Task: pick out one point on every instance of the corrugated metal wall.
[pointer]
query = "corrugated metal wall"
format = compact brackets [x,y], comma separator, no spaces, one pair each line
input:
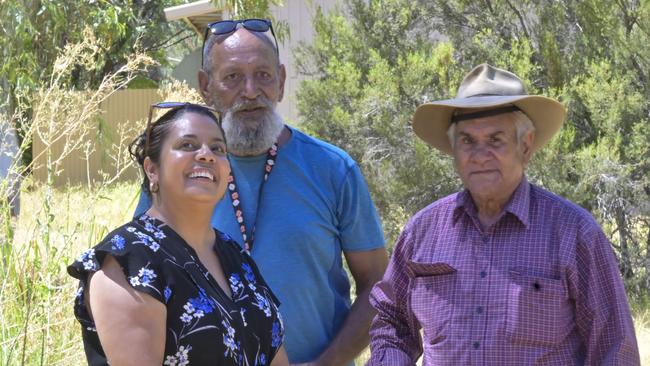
[124,107]
[299,16]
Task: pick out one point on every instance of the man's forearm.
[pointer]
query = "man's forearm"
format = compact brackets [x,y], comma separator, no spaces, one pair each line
[353,336]
[366,267]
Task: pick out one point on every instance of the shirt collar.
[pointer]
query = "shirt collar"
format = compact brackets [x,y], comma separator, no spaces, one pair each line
[518,205]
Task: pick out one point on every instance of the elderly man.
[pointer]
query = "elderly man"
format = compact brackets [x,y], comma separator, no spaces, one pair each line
[504,272]
[295,203]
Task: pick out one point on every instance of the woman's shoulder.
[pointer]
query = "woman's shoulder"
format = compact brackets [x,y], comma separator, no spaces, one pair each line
[135,241]
[143,232]
[136,246]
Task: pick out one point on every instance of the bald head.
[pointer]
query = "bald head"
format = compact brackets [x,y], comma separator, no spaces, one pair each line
[241,66]
[241,38]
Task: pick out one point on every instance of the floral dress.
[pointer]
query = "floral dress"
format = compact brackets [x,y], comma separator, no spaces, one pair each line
[204,325]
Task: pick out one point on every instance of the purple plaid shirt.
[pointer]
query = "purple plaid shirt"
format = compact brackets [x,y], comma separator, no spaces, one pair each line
[539,287]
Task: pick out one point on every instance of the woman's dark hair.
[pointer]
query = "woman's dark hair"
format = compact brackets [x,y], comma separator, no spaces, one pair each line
[158,134]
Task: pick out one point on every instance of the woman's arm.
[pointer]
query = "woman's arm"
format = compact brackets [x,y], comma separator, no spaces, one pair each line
[130,323]
[280,358]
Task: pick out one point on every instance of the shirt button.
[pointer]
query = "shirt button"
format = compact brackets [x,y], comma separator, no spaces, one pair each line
[476,345]
[483,274]
[479,310]
[485,239]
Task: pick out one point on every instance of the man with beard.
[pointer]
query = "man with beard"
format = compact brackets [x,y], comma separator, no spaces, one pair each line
[295,203]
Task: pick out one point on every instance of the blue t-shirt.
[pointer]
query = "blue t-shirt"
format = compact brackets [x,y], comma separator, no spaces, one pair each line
[314,205]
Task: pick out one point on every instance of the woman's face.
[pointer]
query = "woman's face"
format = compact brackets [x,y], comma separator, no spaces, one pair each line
[193,163]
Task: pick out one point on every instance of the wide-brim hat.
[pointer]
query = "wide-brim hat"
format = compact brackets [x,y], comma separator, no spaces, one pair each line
[486,87]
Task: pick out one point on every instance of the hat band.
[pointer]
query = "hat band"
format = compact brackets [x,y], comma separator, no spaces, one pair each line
[487,113]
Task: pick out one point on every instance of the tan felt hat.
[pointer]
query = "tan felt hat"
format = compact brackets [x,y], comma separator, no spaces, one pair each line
[485,87]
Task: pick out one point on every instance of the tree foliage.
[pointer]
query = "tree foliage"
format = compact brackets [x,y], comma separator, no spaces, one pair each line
[242,9]
[35,32]
[373,62]
[248,8]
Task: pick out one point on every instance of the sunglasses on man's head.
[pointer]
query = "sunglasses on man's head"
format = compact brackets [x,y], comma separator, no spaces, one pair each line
[229,26]
[167,105]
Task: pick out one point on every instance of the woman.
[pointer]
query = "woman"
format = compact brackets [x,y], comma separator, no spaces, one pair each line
[166,288]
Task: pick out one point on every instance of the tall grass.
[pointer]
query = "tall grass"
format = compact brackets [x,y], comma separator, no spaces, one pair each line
[37,325]
[641,313]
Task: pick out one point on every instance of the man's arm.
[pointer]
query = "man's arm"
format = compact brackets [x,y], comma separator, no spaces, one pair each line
[395,333]
[360,233]
[367,267]
[602,312]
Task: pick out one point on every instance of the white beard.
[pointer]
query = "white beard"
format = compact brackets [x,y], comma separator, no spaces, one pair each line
[246,137]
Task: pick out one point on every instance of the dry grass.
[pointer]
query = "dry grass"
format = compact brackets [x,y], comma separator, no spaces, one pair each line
[37,324]
[642,326]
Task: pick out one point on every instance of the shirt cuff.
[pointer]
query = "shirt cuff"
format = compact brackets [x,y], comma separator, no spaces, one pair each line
[392,357]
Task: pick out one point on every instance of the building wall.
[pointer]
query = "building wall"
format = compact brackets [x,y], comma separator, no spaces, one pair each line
[130,106]
[299,14]
[9,162]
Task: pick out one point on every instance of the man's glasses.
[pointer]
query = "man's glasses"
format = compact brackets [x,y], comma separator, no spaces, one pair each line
[229,26]
[167,105]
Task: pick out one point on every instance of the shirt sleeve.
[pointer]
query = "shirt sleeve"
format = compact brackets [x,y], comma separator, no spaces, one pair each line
[395,333]
[136,256]
[603,314]
[359,225]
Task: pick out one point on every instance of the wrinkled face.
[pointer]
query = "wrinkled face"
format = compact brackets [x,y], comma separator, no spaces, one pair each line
[193,163]
[245,82]
[488,157]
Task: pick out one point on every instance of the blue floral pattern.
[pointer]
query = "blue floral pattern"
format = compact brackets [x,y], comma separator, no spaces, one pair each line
[117,242]
[276,333]
[87,259]
[167,293]
[159,263]
[144,278]
[181,357]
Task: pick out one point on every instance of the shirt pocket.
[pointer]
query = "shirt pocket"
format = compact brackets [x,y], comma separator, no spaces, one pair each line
[538,311]
[432,298]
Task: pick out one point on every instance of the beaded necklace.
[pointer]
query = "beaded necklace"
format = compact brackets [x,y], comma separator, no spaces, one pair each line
[271,155]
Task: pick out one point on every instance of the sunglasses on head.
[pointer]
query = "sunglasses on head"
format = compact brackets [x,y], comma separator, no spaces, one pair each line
[172,106]
[229,26]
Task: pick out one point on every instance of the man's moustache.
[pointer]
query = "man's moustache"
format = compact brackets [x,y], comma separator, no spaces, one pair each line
[250,105]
